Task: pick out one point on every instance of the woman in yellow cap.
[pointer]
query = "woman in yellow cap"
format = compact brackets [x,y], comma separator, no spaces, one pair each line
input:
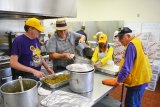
[103,52]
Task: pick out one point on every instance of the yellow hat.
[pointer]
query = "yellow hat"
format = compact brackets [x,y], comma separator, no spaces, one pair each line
[102,38]
[96,35]
[34,22]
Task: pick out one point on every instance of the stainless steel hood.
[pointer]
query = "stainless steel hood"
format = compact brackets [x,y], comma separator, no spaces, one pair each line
[42,9]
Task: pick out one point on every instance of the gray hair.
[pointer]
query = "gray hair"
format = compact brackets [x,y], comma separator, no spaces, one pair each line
[132,34]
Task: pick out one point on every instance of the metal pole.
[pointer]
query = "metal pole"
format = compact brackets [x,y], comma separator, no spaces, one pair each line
[122,94]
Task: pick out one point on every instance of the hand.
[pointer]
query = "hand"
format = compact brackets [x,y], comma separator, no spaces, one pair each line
[98,64]
[50,71]
[110,62]
[67,55]
[72,56]
[39,74]
[82,39]
[110,81]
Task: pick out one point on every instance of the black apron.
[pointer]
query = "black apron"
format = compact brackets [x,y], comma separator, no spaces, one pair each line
[17,73]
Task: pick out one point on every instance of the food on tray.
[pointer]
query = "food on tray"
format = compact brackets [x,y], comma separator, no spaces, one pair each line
[56,79]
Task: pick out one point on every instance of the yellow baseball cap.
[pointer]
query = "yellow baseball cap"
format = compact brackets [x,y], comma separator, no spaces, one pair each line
[102,38]
[34,22]
[96,35]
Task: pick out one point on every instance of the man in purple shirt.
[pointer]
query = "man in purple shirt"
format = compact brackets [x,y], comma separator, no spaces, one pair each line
[134,71]
[26,59]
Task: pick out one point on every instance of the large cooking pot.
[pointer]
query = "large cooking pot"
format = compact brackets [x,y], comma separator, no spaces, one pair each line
[81,77]
[14,97]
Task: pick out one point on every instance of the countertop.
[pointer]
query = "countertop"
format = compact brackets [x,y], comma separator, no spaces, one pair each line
[99,90]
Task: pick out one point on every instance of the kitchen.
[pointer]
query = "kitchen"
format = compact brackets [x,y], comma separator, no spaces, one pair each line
[90,21]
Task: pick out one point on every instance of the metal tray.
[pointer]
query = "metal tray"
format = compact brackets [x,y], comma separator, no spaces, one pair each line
[109,69]
[57,84]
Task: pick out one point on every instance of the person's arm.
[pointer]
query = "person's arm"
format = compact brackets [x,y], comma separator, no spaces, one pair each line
[108,56]
[50,71]
[41,42]
[55,55]
[130,57]
[95,55]
[16,65]
[77,35]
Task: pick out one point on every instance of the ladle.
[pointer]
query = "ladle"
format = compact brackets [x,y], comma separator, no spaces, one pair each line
[21,84]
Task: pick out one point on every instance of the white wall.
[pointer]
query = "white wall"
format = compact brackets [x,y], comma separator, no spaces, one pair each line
[132,12]
[127,10]
[108,10]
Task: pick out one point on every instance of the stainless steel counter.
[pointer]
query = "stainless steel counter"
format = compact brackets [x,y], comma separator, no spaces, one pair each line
[99,90]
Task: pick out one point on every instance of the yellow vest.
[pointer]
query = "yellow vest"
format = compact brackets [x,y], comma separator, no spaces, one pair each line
[141,70]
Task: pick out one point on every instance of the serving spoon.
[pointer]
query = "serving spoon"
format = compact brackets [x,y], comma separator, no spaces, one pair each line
[21,83]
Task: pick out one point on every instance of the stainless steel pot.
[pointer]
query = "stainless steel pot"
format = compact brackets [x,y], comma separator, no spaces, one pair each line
[81,77]
[13,97]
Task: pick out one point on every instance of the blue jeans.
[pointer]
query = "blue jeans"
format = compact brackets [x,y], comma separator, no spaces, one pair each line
[134,97]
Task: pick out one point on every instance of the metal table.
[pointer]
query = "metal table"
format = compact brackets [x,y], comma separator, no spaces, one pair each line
[99,90]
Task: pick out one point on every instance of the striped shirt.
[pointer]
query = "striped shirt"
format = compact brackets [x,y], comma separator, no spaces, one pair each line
[57,45]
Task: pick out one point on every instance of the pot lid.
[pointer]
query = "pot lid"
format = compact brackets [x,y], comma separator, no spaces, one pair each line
[80,67]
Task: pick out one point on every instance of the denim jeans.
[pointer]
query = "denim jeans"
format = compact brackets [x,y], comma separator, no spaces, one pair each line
[134,97]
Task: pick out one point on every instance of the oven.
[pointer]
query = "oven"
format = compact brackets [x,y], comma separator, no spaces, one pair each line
[6,43]
[5,75]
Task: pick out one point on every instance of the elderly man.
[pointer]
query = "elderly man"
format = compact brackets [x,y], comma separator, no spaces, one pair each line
[135,71]
[61,46]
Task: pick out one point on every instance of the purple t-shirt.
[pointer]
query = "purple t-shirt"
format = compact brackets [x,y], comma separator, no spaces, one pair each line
[28,51]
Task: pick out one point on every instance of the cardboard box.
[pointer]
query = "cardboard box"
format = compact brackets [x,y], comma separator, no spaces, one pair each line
[152,85]
[118,50]
[154,77]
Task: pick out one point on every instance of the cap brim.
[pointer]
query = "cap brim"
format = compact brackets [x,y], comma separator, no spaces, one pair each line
[94,36]
[102,41]
[40,28]
[119,35]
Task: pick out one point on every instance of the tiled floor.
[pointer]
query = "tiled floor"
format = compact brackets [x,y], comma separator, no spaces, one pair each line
[150,98]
